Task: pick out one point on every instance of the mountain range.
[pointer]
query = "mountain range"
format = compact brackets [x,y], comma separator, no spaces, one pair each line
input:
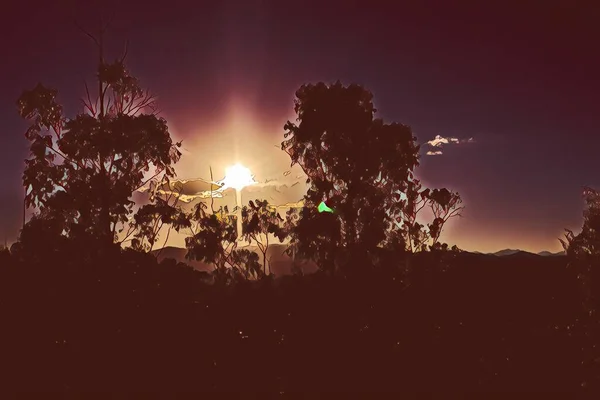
[511,252]
[282,264]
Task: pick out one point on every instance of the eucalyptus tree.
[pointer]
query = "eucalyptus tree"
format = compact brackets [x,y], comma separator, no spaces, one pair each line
[83,170]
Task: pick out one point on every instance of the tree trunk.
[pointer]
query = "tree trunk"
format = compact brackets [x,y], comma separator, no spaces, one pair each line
[105,231]
[238,202]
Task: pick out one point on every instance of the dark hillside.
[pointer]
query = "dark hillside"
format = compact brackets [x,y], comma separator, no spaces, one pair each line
[468,322]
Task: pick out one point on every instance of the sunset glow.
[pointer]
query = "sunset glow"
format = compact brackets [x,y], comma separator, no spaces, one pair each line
[238,177]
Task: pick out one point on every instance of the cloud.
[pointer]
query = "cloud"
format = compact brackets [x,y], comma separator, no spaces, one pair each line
[281,193]
[439,141]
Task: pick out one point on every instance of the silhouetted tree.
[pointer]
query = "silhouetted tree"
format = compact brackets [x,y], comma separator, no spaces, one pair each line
[315,236]
[583,251]
[150,218]
[214,240]
[353,162]
[587,242]
[259,221]
[83,170]
[361,167]
[405,213]
[444,204]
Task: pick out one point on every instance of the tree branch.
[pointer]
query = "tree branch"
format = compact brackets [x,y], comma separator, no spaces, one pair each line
[147,180]
[87,33]
[155,231]
[130,231]
[109,21]
[103,95]
[63,156]
[126,51]
[423,204]
[145,100]
[91,107]
[165,243]
[111,164]
[212,200]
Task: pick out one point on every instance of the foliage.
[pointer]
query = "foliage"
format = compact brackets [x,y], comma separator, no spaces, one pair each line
[42,234]
[214,240]
[361,167]
[444,204]
[352,161]
[314,236]
[83,170]
[583,251]
[150,218]
[259,221]
[587,242]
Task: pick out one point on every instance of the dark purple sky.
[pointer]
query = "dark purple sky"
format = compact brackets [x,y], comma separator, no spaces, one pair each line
[521,78]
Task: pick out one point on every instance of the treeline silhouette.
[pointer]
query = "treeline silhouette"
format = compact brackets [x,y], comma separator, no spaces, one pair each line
[86,305]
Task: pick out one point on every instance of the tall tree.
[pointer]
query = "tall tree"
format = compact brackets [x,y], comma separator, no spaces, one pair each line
[83,170]
[361,167]
[583,251]
[586,244]
[354,162]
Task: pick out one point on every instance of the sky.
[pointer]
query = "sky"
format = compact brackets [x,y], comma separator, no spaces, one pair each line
[506,93]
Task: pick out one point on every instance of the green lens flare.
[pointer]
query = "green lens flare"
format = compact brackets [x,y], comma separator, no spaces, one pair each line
[323,208]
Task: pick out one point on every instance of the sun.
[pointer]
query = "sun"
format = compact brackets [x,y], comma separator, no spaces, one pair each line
[238,177]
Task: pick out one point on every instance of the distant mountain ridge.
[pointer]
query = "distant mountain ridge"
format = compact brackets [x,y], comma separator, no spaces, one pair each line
[549,254]
[281,264]
[513,252]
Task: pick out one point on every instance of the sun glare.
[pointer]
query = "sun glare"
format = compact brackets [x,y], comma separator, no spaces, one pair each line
[237,176]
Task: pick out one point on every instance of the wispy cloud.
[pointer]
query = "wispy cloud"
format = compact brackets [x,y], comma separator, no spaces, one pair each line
[439,141]
[190,190]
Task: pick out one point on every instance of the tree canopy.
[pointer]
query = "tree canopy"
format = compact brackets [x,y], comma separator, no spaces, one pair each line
[587,242]
[361,167]
[83,170]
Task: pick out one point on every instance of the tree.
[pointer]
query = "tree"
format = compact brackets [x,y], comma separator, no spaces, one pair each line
[444,204]
[587,243]
[404,213]
[583,251]
[353,162]
[414,236]
[83,170]
[359,166]
[150,218]
[258,222]
[214,240]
